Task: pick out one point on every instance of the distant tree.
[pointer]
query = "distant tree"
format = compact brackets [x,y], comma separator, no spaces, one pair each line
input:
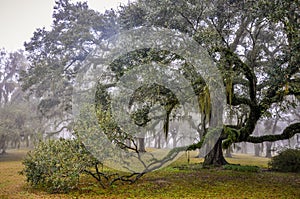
[11,64]
[270,128]
[15,110]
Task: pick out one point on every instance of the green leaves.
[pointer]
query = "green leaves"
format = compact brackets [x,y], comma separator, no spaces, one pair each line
[56,165]
[287,160]
[56,55]
[232,136]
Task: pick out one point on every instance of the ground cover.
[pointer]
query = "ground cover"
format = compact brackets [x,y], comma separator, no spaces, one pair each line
[179,180]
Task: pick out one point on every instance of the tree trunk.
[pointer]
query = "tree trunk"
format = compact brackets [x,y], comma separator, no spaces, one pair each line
[174,139]
[27,140]
[159,141]
[141,145]
[228,152]
[215,156]
[244,147]
[268,149]
[2,144]
[256,149]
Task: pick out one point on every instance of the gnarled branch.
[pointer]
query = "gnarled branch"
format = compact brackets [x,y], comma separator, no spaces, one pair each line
[288,132]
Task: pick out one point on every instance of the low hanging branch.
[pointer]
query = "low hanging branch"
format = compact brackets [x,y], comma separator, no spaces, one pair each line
[288,132]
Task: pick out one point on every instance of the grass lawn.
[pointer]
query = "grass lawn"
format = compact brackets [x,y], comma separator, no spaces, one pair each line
[179,180]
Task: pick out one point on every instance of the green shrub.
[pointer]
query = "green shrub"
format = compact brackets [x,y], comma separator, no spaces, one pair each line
[245,168]
[57,164]
[286,161]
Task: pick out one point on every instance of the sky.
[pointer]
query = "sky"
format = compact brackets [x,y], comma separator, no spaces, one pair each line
[20,18]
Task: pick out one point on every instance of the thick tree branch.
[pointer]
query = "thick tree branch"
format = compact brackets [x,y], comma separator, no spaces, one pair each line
[237,100]
[240,66]
[240,33]
[288,132]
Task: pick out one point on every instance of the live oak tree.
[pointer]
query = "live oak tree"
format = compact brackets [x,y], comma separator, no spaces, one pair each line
[255,46]
[56,55]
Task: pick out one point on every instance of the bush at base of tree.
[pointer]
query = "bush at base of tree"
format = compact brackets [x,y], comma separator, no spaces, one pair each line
[56,165]
[286,161]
